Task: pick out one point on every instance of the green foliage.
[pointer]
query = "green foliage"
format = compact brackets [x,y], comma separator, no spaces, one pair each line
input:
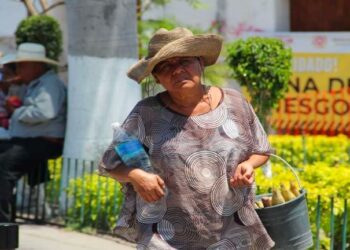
[299,150]
[41,29]
[216,75]
[327,173]
[196,4]
[263,66]
[95,202]
[53,186]
[160,2]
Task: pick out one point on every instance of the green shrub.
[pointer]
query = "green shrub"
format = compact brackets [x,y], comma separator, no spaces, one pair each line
[95,202]
[53,186]
[41,29]
[263,66]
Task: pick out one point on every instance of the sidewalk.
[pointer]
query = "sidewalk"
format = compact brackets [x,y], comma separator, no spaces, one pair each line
[43,237]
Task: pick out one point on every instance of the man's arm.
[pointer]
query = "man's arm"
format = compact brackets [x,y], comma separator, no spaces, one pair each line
[43,106]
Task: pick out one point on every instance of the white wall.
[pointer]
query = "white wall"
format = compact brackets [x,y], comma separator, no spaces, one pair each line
[239,16]
[184,14]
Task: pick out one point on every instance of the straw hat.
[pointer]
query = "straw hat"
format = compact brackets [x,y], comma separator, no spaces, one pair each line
[174,43]
[28,52]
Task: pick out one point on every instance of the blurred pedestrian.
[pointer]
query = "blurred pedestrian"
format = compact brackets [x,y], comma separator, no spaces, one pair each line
[37,127]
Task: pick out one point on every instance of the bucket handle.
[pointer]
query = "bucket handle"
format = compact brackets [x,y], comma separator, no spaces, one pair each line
[290,167]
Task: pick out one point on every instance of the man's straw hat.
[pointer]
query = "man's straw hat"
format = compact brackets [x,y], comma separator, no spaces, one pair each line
[178,42]
[28,52]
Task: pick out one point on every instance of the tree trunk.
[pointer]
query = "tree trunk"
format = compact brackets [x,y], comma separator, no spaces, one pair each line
[102,46]
[30,7]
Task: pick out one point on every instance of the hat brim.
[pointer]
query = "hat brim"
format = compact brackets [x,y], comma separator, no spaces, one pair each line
[12,58]
[7,59]
[208,47]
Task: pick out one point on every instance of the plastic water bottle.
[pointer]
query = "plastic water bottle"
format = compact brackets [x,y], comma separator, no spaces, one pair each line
[132,153]
[130,150]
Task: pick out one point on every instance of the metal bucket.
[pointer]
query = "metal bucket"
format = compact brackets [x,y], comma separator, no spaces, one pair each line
[288,223]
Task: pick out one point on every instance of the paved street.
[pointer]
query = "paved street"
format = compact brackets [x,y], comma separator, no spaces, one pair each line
[39,237]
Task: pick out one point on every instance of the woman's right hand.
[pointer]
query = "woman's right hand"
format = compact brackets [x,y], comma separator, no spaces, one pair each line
[149,186]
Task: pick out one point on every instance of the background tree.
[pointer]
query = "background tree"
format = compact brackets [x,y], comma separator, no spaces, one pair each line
[41,29]
[42,8]
[263,66]
[102,46]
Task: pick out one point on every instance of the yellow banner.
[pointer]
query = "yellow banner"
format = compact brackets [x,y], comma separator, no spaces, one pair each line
[318,99]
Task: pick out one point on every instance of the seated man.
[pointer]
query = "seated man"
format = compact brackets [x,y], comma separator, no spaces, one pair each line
[37,127]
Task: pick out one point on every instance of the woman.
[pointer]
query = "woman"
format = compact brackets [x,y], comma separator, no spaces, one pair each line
[204,143]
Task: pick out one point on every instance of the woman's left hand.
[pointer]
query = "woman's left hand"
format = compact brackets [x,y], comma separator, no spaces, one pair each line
[243,176]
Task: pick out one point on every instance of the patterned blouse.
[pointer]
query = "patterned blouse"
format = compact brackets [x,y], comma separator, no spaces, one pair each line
[195,156]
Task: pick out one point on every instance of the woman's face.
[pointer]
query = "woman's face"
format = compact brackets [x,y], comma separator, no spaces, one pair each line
[178,73]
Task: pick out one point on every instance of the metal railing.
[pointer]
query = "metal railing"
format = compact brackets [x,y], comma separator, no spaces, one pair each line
[77,197]
[337,240]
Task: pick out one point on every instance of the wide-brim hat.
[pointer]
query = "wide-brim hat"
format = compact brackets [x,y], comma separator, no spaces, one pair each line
[8,58]
[178,42]
[28,52]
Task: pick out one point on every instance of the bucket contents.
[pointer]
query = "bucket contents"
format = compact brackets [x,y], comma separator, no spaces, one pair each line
[279,196]
[284,214]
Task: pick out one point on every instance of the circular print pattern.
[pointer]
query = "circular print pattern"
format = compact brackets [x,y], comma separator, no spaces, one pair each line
[247,215]
[214,119]
[177,227]
[196,136]
[223,244]
[161,132]
[150,212]
[202,169]
[162,135]
[225,200]
[166,230]
[262,242]
[230,128]
[244,130]
[134,123]
[240,236]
